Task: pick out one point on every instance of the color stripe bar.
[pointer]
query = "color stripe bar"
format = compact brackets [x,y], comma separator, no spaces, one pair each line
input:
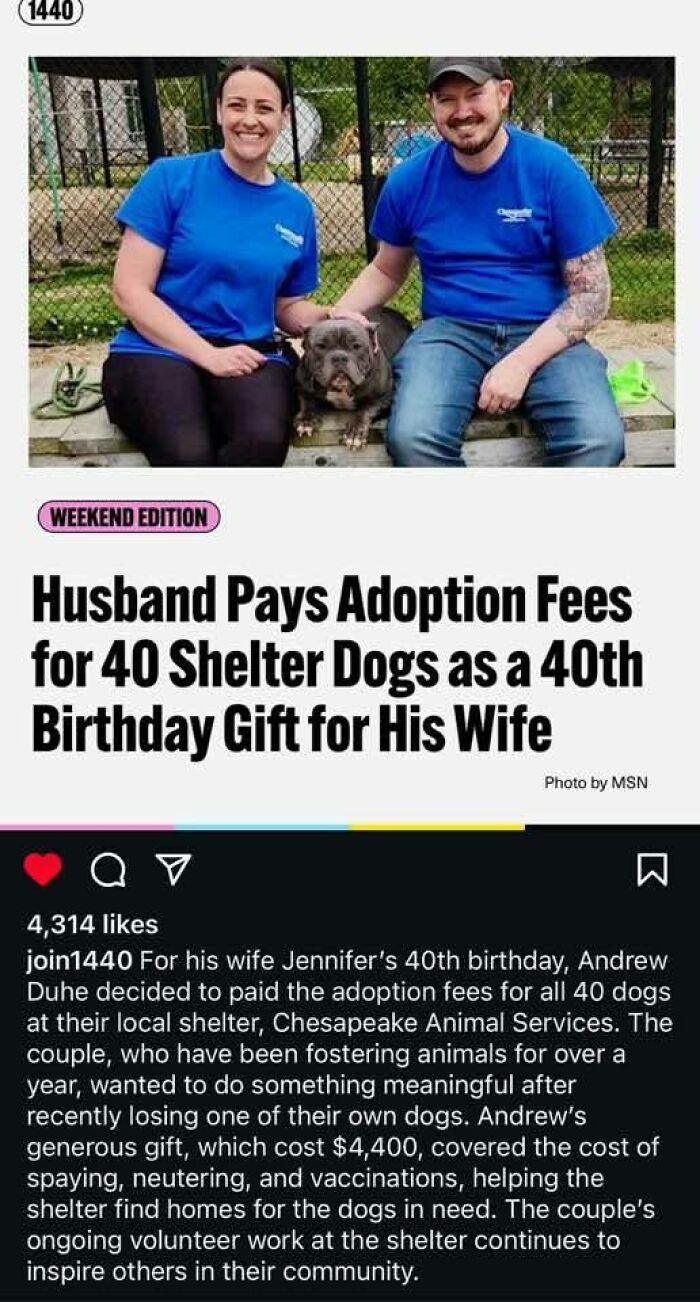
[437,827]
[87,827]
[262,827]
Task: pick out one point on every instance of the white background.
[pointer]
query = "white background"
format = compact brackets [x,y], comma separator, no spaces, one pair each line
[637,527]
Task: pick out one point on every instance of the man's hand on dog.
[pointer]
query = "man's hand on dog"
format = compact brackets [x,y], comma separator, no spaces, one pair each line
[504,386]
[344,314]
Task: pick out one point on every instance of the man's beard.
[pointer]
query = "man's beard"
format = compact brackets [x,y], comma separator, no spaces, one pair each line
[469,149]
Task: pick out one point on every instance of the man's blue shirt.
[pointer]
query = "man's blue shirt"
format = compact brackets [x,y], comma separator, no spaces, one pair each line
[491,244]
[231,247]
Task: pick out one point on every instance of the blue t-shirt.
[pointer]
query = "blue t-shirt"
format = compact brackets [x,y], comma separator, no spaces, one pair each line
[491,244]
[231,247]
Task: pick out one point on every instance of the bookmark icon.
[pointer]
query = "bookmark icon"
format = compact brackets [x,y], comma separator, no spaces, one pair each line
[652,866]
[174,865]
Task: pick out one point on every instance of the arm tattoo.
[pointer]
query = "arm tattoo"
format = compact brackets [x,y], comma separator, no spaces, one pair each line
[588,285]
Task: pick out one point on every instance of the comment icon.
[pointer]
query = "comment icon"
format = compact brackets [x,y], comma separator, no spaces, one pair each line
[108,869]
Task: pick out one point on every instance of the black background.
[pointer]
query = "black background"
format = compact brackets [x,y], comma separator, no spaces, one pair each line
[549,888]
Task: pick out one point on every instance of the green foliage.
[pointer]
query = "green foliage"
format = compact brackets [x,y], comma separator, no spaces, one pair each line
[72,304]
[565,103]
[642,272]
[661,243]
[558,97]
[122,176]
[397,89]
[338,269]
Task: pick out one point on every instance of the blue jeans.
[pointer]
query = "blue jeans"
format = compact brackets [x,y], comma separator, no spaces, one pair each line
[438,374]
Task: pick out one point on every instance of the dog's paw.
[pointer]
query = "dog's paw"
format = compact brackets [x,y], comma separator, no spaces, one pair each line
[355,437]
[304,429]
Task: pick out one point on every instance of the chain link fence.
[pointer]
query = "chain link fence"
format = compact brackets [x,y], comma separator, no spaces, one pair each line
[95,123]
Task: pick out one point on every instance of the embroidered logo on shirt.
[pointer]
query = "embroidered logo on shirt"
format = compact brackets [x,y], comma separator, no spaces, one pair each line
[290,236]
[514,214]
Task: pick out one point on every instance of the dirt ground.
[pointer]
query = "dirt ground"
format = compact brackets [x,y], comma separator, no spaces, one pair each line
[611,334]
[634,334]
[90,231]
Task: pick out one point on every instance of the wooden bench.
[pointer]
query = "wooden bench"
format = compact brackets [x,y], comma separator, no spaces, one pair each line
[91,440]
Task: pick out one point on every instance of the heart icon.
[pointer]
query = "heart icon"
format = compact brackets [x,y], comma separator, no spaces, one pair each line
[42,868]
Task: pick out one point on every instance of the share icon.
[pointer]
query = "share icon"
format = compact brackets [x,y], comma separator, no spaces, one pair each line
[174,865]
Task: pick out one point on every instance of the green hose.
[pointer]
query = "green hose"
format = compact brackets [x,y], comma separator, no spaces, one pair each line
[70,395]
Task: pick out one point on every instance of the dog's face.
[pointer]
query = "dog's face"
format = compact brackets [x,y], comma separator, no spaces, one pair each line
[340,355]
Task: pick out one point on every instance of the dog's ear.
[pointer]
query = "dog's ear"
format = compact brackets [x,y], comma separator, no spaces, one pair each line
[305,336]
[373,332]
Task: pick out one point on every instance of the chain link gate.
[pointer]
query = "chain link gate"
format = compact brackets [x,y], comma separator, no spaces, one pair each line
[95,123]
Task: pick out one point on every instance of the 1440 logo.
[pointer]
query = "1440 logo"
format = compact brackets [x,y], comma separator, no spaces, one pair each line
[57,13]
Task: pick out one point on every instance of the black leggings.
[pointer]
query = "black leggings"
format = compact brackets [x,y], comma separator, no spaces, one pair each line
[181,415]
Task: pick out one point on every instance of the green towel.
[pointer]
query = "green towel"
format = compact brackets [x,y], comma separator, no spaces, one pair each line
[631,384]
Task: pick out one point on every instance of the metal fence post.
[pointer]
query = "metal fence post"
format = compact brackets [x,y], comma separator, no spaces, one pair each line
[289,74]
[656,143]
[102,131]
[57,133]
[365,140]
[211,78]
[150,111]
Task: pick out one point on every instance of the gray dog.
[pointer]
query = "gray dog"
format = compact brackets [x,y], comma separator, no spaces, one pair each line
[347,366]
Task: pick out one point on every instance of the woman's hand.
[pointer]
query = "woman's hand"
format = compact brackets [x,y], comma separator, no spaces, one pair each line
[235,360]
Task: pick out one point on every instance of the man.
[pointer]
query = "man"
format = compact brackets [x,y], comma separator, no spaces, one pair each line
[509,234]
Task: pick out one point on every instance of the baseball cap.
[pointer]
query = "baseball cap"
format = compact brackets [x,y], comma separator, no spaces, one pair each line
[478,70]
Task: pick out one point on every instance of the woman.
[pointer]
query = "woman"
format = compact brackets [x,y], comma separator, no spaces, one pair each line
[217,251]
